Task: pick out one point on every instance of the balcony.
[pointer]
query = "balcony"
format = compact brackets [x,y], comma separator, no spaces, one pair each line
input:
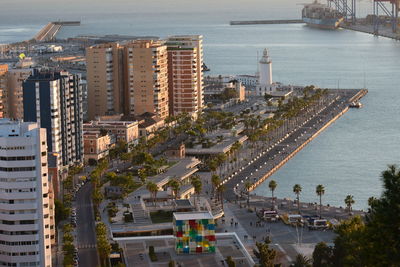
[16,238]
[19,206]
[19,227]
[18,217]
[18,195]
[27,258]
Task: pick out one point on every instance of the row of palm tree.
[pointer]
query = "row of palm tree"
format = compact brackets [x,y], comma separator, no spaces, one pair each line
[319,190]
[288,116]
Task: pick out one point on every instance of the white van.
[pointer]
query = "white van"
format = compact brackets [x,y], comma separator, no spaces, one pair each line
[318,224]
[295,218]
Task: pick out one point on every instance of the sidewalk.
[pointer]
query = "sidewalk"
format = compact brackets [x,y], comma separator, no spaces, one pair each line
[238,229]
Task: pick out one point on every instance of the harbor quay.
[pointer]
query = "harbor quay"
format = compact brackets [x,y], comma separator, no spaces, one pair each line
[267,160]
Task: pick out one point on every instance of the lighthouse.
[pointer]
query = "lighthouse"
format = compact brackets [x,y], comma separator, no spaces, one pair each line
[265,85]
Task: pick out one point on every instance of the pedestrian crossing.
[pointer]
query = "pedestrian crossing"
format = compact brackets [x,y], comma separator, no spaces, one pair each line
[83,246]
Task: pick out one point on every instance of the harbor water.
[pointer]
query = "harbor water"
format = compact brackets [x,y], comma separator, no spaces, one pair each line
[349,156]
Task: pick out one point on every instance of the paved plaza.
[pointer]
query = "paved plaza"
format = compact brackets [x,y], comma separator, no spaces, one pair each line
[288,241]
[136,252]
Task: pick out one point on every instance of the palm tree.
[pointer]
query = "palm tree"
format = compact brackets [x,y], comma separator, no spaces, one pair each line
[248,185]
[297,190]
[349,201]
[220,159]
[220,191]
[175,186]
[142,174]
[320,190]
[153,189]
[215,181]
[272,186]
[197,185]
[301,261]
[212,165]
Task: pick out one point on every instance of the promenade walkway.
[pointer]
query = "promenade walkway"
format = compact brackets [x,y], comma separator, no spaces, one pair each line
[266,161]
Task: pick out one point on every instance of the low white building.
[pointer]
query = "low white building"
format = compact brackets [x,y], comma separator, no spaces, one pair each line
[247,80]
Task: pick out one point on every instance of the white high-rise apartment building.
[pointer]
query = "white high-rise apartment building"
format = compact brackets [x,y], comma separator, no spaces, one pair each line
[25,226]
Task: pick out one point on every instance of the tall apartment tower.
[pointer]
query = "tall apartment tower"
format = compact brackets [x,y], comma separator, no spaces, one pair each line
[15,78]
[146,78]
[104,80]
[54,100]
[24,194]
[3,91]
[185,74]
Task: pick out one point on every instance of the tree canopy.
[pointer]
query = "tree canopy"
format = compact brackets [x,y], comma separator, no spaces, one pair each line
[374,241]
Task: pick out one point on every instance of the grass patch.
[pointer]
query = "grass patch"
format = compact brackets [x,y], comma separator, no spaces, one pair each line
[161,216]
[171,163]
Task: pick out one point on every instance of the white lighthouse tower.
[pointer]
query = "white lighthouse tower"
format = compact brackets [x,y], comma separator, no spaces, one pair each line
[265,85]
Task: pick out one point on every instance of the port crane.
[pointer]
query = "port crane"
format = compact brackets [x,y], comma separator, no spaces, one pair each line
[346,7]
[392,12]
[381,8]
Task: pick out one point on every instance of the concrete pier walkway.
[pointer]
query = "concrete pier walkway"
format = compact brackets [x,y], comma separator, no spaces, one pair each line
[268,161]
[254,22]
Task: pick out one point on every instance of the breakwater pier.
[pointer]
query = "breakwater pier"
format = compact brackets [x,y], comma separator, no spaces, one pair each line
[267,162]
[50,30]
[255,22]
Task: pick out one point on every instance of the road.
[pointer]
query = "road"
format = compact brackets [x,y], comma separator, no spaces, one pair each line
[264,161]
[85,230]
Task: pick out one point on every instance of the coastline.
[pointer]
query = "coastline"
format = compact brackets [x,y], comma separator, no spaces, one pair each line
[336,108]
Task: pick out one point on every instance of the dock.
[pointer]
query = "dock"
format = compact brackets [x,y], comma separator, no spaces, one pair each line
[384,31]
[272,159]
[49,32]
[255,22]
[359,26]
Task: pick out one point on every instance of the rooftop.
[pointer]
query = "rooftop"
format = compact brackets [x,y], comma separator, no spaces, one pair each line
[221,147]
[115,124]
[182,169]
[192,215]
[12,128]
[182,202]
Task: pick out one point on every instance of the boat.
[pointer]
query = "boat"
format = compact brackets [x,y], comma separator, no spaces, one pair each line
[205,68]
[355,105]
[321,16]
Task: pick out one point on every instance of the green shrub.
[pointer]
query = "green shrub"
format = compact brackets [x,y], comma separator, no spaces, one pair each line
[230,261]
[128,217]
[151,250]
[152,254]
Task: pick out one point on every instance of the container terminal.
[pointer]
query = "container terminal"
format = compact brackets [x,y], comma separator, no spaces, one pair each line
[384,20]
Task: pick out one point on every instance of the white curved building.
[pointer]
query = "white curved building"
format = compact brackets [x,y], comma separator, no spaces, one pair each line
[25,226]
